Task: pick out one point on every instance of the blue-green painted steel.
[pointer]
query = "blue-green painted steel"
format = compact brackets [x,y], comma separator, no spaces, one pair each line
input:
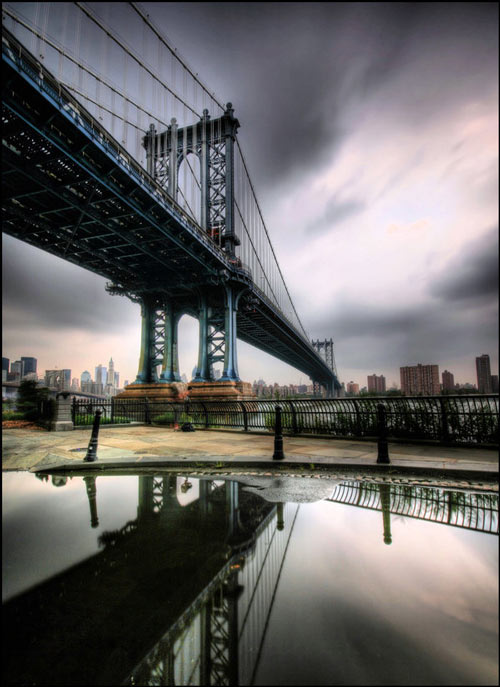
[178,257]
[203,370]
[147,372]
[170,370]
[230,372]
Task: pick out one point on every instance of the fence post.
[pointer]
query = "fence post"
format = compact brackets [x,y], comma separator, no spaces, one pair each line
[295,428]
[383,452]
[206,413]
[445,432]
[73,410]
[147,418]
[358,418]
[112,419]
[92,449]
[278,437]
[245,417]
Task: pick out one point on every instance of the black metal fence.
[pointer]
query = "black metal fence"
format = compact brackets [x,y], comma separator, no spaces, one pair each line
[471,419]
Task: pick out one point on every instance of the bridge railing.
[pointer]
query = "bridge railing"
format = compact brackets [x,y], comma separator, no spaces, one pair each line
[459,420]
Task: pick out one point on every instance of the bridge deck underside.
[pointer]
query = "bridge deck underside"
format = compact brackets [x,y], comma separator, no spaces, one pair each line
[67,193]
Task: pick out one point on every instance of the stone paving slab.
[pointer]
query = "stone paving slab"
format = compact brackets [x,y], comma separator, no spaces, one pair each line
[23,449]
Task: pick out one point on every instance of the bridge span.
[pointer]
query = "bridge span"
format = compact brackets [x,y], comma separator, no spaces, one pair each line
[72,189]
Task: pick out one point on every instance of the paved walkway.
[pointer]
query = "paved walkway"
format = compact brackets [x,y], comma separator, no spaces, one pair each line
[142,446]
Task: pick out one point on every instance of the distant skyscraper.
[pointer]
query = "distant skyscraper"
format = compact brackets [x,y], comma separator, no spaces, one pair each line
[75,385]
[494,384]
[420,380]
[85,377]
[352,388]
[100,375]
[376,383]
[483,374]
[117,380]
[111,372]
[16,369]
[5,369]
[448,381]
[125,383]
[29,365]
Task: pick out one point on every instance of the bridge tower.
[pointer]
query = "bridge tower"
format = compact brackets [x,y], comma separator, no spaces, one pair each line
[325,350]
[211,141]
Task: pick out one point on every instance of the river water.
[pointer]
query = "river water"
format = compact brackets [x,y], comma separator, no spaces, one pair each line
[176,579]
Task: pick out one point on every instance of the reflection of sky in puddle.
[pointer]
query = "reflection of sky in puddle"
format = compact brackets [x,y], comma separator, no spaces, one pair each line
[46,540]
[432,594]
[348,608]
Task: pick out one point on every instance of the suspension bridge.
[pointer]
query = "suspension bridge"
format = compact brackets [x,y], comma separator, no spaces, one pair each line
[117,158]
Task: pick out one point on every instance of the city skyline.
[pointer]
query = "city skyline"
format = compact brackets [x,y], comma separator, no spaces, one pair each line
[375,378]
[396,260]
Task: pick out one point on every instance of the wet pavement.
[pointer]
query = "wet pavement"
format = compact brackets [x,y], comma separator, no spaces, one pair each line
[145,447]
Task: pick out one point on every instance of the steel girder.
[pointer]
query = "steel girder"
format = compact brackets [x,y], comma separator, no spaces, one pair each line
[71,190]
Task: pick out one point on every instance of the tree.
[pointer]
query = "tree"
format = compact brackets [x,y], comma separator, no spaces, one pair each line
[29,398]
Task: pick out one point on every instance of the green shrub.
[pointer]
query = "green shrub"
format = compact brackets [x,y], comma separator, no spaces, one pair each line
[12,415]
[172,416]
[89,420]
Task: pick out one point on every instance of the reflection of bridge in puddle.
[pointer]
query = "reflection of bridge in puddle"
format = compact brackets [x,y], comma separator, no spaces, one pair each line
[180,595]
[468,510]
[183,593]
[219,636]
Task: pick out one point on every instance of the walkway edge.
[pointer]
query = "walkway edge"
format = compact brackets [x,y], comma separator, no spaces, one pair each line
[221,466]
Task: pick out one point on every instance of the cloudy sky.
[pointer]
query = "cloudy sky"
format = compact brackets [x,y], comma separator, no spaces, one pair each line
[371,136]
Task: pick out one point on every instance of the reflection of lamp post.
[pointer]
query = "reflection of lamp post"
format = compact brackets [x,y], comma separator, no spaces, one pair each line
[279,512]
[385,501]
[91,494]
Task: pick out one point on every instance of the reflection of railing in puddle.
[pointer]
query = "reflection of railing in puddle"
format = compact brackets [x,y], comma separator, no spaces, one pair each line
[185,591]
[468,510]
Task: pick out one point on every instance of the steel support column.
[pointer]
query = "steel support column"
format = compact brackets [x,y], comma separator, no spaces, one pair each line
[230,372]
[172,162]
[229,235]
[170,367]
[147,371]
[204,173]
[203,371]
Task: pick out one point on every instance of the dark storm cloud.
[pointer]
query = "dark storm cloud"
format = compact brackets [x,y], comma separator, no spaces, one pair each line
[294,71]
[369,336]
[473,274]
[47,293]
[336,211]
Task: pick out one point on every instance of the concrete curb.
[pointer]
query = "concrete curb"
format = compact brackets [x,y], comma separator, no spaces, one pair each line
[220,466]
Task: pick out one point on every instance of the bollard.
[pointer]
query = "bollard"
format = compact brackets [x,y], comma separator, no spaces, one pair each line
[278,437]
[92,449]
[383,450]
